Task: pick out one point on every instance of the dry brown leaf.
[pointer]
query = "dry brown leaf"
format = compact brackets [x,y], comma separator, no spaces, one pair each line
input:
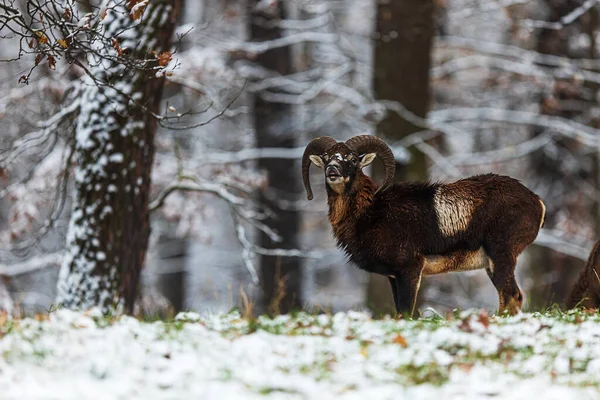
[466,366]
[401,340]
[51,62]
[137,8]
[164,58]
[41,317]
[42,38]
[63,43]
[484,318]
[118,48]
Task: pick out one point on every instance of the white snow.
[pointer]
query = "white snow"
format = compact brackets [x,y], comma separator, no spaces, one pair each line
[116,158]
[345,356]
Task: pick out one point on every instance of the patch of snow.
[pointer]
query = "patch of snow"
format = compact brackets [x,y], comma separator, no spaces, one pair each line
[116,158]
[343,356]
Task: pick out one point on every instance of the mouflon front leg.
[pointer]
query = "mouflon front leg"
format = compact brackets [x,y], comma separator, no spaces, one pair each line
[392,280]
[407,281]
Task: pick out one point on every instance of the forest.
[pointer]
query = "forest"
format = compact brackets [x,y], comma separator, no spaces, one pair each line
[153,169]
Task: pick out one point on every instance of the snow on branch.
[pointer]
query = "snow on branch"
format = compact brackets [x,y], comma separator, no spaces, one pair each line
[565,127]
[218,189]
[21,93]
[37,138]
[241,212]
[520,67]
[295,38]
[518,53]
[460,13]
[438,159]
[224,157]
[32,264]
[249,249]
[501,155]
[565,20]
[552,239]
[317,22]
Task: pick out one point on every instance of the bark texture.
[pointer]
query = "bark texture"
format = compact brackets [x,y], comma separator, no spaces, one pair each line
[109,226]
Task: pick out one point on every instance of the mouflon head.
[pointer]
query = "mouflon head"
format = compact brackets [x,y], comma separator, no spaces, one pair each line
[342,160]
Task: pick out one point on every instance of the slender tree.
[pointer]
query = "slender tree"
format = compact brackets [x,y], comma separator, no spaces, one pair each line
[281,278]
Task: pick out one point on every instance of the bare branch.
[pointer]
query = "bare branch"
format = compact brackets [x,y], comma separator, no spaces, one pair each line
[518,53]
[564,127]
[33,264]
[551,239]
[565,20]
[249,249]
[296,38]
[218,189]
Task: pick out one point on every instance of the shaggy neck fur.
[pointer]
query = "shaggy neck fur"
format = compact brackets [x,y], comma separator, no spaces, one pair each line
[347,207]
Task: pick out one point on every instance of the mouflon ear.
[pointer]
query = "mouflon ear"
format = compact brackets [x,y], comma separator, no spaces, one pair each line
[318,161]
[366,144]
[367,159]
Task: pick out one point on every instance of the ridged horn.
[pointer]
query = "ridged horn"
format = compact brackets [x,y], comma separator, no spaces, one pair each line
[316,147]
[364,144]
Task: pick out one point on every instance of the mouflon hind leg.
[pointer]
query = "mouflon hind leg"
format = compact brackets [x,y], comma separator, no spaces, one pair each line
[510,298]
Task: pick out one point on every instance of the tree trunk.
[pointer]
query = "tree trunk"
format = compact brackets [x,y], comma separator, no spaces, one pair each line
[280,277]
[404,37]
[552,272]
[109,227]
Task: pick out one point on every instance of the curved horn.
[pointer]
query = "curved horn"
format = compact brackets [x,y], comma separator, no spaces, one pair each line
[316,147]
[372,144]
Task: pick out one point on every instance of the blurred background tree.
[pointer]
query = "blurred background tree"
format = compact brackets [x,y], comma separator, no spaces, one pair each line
[457,87]
[403,39]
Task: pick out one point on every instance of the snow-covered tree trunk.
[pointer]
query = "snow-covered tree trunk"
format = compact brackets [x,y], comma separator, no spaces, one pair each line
[109,226]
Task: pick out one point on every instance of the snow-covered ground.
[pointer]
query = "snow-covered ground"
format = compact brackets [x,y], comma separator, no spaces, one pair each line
[345,356]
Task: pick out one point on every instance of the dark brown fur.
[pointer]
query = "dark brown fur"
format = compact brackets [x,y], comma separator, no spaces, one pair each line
[393,232]
[586,292]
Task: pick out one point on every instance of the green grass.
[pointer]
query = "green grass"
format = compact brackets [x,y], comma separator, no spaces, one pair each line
[368,337]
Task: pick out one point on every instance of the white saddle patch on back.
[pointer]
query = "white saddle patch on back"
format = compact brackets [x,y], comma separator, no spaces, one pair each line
[458,261]
[453,213]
